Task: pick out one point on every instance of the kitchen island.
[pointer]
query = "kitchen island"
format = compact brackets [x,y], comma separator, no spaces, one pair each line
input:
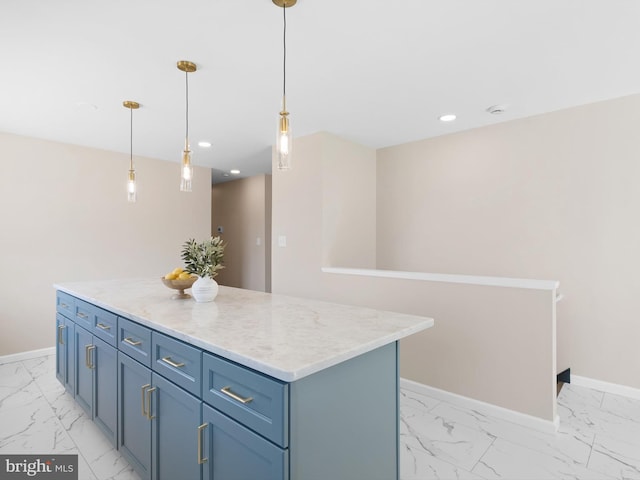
[251,386]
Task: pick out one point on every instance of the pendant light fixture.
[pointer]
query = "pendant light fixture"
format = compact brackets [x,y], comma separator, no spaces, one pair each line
[284,139]
[186,175]
[131,183]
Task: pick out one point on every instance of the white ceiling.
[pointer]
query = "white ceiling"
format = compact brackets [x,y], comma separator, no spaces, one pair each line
[375,72]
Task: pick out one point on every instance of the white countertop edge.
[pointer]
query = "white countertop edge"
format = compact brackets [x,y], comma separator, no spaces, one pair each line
[449,278]
[280,374]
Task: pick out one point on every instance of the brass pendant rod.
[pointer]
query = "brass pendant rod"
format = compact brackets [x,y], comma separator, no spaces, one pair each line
[131,140]
[284,49]
[186,82]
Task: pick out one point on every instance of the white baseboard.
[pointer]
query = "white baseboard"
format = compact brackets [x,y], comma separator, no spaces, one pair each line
[17,357]
[529,421]
[606,387]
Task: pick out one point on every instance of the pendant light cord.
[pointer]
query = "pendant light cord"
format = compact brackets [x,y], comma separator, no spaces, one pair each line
[284,42]
[131,140]
[186,81]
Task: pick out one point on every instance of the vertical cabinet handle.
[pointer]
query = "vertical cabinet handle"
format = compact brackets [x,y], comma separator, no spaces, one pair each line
[87,356]
[200,441]
[60,338]
[142,391]
[149,391]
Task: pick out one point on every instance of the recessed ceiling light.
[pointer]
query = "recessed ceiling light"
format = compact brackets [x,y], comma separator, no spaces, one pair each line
[234,171]
[449,117]
[204,144]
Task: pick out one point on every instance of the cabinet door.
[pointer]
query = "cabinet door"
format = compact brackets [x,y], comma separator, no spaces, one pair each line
[174,446]
[61,357]
[65,366]
[236,453]
[105,378]
[70,349]
[134,427]
[83,358]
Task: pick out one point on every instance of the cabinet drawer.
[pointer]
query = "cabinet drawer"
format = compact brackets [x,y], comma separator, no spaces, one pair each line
[105,325]
[253,399]
[135,341]
[177,361]
[65,304]
[82,314]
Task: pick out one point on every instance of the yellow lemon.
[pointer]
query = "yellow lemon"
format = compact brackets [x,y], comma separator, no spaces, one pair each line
[178,270]
[184,276]
[170,276]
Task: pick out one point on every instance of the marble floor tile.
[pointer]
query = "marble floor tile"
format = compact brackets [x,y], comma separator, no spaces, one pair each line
[33,428]
[623,407]
[17,387]
[599,435]
[573,447]
[102,456]
[43,372]
[448,440]
[506,460]
[580,417]
[614,465]
[417,400]
[418,464]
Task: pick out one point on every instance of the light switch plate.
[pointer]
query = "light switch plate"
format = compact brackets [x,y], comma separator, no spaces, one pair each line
[282,241]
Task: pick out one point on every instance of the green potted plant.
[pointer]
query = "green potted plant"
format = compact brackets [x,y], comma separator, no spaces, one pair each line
[204,259]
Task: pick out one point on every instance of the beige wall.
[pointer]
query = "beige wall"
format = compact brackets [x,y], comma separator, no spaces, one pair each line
[348,203]
[489,343]
[550,197]
[325,207]
[243,209]
[65,217]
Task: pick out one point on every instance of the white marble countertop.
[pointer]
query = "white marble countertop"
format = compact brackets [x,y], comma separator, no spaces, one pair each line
[285,337]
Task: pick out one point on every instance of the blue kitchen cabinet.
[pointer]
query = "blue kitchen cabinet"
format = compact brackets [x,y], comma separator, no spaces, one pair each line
[83,341]
[174,432]
[65,350]
[233,452]
[181,412]
[96,371]
[134,419]
[158,424]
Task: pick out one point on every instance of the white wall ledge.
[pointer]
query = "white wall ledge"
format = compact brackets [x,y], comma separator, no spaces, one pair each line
[449,278]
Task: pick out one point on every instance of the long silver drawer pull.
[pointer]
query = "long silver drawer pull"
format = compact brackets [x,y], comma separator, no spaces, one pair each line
[172,363]
[131,342]
[143,388]
[227,391]
[200,430]
[87,356]
[60,339]
[82,315]
[102,326]
[151,390]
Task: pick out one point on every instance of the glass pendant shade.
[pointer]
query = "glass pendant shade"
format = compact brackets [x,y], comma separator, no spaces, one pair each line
[131,186]
[186,175]
[284,142]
